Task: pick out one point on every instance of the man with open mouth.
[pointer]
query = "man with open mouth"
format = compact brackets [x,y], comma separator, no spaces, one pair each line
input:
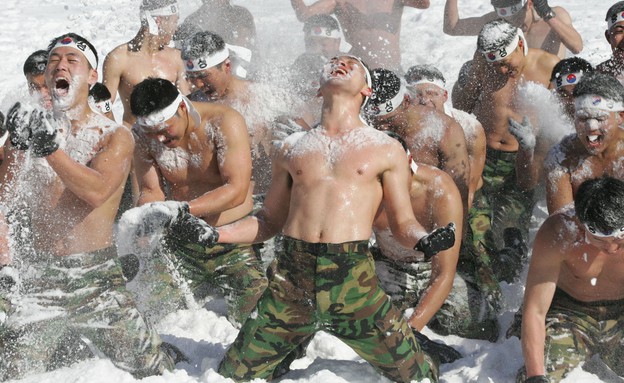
[597,147]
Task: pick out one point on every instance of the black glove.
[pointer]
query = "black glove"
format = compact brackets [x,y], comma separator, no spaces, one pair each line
[438,240]
[543,9]
[18,125]
[537,379]
[43,135]
[441,352]
[188,228]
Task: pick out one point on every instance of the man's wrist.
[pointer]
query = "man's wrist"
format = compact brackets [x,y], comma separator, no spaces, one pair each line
[549,15]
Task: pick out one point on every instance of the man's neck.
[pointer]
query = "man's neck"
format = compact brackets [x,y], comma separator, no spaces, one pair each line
[340,113]
[146,42]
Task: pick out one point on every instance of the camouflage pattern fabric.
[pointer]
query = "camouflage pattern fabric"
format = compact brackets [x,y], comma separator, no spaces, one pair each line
[467,312]
[576,331]
[236,271]
[329,287]
[498,207]
[68,308]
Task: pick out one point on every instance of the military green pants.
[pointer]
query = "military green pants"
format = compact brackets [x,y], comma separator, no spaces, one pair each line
[467,312]
[576,331]
[68,308]
[499,207]
[235,271]
[329,287]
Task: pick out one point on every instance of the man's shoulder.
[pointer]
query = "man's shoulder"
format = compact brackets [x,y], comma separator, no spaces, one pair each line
[565,150]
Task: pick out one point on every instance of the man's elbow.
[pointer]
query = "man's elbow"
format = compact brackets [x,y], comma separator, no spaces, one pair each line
[576,48]
[423,4]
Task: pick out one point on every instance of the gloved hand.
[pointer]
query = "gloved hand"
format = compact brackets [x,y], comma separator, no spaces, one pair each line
[191,229]
[43,134]
[523,132]
[441,352]
[537,379]
[543,9]
[438,240]
[283,128]
[18,125]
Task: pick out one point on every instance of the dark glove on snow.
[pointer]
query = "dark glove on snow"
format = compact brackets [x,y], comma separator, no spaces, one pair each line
[43,135]
[438,240]
[188,228]
[441,352]
[18,125]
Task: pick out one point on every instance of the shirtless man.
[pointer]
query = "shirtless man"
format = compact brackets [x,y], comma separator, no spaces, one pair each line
[574,297]
[432,137]
[73,167]
[615,36]
[327,186]
[373,28]
[146,55]
[565,75]
[210,71]
[201,151]
[597,147]
[502,208]
[321,34]
[428,87]
[546,28]
[100,100]
[446,302]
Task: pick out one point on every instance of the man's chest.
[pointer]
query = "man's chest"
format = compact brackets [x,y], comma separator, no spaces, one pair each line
[141,67]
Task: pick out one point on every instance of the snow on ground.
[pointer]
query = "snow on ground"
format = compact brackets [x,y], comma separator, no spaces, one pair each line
[28,25]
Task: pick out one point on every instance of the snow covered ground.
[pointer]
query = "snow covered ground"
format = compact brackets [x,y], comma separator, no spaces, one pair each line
[204,334]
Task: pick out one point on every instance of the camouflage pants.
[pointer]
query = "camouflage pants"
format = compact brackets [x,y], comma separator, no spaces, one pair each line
[235,271]
[75,306]
[329,287]
[499,209]
[467,311]
[576,331]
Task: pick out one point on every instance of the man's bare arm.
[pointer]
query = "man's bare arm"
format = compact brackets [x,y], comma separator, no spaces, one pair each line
[447,207]
[234,160]
[321,7]
[469,85]
[270,220]
[403,224]
[147,174]
[541,283]
[112,70]
[181,82]
[558,183]
[455,161]
[561,24]
[106,173]
[471,26]
[420,4]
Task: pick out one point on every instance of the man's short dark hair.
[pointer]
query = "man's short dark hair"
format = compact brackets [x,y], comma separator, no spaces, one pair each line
[600,84]
[201,44]
[570,65]
[504,3]
[151,95]
[599,202]
[75,37]
[426,72]
[322,21]
[35,64]
[614,10]
[306,69]
[149,5]
[386,85]
[99,92]
[495,35]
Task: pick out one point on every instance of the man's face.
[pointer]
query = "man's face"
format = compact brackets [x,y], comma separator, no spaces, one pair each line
[615,37]
[346,72]
[510,66]
[37,87]
[521,18]
[430,95]
[213,82]
[325,46]
[167,25]
[596,128]
[170,132]
[68,77]
[611,244]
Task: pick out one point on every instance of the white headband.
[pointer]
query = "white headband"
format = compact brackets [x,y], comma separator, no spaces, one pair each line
[432,81]
[500,54]
[160,116]
[148,16]
[389,106]
[511,10]
[324,32]
[104,106]
[615,18]
[617,233]
[79,45]
[592,101]
[570,79]
[216,58]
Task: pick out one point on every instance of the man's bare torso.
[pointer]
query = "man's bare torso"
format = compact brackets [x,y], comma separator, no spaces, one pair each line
[336,183]
[587,273]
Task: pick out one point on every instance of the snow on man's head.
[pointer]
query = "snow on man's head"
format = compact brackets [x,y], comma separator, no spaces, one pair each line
[495,36]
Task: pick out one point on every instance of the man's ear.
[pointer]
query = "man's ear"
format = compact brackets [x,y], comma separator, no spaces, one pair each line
[93,77]
[367,91]
[445,95]
[227,66]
